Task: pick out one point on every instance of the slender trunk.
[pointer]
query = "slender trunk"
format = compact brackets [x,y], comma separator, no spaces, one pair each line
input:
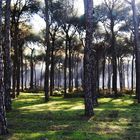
[18,70]
[26,70]
[41,75]
[7,63]
[3,122]
[88,59]
[59,76]
[21,62]
[128,75]
[137,49]
[65,66]
[52,70]
[132,74]
[103,74]
[31,70]
[109,76]
[114,59]
[35,79]
[97,71]
[77,74]
[47,59]
[120,66]
[15,60]
[70,66]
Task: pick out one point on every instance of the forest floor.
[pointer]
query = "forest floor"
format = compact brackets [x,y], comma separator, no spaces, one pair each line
[63,119]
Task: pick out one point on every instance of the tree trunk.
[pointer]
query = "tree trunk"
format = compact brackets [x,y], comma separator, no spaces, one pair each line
[21,63]
[97,71]
[109,76]
[47,59]
[41,74]
[3,123]
[132,73]
[59,76]
[77,73]
[18,71]
[114,58]
[137,50]
[52,70]
[128,74]
[70,66]
[7,63]
[103,74]
[65,66]
[31,70]
[26,70]
[88,56]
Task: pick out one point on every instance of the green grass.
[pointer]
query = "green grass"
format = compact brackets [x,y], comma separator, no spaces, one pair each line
[63,119]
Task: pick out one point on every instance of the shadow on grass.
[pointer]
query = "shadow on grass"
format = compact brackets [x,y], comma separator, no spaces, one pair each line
[32,119]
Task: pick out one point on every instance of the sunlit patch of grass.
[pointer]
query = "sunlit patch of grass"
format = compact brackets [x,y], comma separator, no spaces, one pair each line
[33,119]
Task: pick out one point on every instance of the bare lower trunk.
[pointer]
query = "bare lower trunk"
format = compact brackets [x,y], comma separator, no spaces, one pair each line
[3,123]
[137,49]
[65,67]
[88,59]
[47,58]
[132,74]
[7,63]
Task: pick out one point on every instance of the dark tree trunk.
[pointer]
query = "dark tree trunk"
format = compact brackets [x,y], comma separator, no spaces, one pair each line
[65,66]
[70,66]
[7,59]
[31,70]
[88,59]
[15,58]
[3,122]
[97,72]
[120,66]
[77,73]
[41,74]
[132,73]
[21,62]
[47,59]
[103,74]
[18,71]
[52,70]
[26,70]
[114,58]
[35,78]
[59,76]
[137,49]
[109,76]
[128,74]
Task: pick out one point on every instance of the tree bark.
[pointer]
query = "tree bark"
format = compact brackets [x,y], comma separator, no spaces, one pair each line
[31,69]
[65,66]
[70,66]
[137,49]
[52,69]
[114,58]
[88,56]
[3,122]
[47,59]
[7,60]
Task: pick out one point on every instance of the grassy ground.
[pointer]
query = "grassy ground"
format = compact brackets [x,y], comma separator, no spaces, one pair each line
[62,119]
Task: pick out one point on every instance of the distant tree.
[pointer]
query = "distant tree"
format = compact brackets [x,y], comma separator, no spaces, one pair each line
[21,12]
